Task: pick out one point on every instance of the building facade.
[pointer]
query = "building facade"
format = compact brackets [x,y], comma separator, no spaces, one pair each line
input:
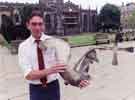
[61,18]
[127,11]
[68,18]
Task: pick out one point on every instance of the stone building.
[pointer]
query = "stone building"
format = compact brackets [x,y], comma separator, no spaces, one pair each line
[61,18]
[68,18]
[127,11]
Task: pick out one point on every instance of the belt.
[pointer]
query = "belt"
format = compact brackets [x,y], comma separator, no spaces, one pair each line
[40,85]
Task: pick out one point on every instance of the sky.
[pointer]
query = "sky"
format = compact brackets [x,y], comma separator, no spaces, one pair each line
[84,3]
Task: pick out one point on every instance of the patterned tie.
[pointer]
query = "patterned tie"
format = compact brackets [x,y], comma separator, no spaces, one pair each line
[41,62]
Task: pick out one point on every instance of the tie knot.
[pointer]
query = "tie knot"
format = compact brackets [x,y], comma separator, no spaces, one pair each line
[37,41]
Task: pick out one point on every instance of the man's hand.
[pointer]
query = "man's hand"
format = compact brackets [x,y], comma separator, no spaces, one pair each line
[84,83]
[56,69]
[38,74]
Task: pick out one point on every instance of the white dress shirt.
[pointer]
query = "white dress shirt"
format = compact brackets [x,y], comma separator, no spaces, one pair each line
[28,59]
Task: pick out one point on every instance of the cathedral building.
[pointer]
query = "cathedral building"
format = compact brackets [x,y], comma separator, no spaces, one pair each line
[60,18]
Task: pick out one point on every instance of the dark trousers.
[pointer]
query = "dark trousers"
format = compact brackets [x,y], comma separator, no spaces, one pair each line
[51,92]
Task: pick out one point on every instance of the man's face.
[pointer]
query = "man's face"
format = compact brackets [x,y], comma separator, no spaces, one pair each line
[36,26]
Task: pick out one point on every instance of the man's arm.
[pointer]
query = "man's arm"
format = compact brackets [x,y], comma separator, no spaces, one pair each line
[38,74]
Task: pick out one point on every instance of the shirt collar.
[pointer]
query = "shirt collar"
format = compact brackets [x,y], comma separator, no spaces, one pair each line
[42,38]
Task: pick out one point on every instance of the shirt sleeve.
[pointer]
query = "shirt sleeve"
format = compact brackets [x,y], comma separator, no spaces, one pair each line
[24,61]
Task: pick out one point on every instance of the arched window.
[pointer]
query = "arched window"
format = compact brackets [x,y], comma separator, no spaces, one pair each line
[17,20]
[48,22]
[55,21]
[48,19]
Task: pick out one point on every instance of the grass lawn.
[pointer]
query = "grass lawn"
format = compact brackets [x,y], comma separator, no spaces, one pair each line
[3,41]
[82,40]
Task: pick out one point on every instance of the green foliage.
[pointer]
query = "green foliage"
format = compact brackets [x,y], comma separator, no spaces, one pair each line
[25,12]
[7,27]
[109,17]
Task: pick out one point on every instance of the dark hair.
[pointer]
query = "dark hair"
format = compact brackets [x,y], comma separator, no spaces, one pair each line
[35,12]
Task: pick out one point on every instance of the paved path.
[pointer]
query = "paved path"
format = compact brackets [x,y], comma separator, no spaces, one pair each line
[108,82]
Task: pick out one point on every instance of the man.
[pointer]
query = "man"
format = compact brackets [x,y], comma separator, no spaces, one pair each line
[37,64]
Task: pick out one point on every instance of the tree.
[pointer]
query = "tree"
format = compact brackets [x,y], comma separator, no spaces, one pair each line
[109,17]
[25,12]
[7,27]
